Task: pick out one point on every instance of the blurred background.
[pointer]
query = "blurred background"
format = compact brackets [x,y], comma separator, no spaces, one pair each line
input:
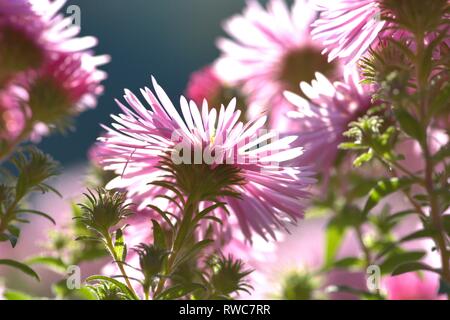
[167,39]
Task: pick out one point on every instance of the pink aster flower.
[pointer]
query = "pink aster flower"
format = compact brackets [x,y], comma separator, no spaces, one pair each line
[203,84]
[270,194]
[40,51]
[270,51]
[413,286]
[326,113]
[72,78]
[348,28]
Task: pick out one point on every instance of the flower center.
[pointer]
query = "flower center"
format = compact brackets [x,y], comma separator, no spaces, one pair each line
[17,53]
[301,65]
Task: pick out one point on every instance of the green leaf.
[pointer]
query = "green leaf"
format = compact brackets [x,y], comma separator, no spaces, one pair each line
[178,291]
[351,146]
[334,236]
[55,264]
[420,234]
[411,267]
[410,125]
[349,262]
[396,259]
[17,295]
[364,158]
[441,102]
[158,235]
[38,213]
[117,283]
[193,251]
[384,188]
[120,246]
[20,266]
[9,237]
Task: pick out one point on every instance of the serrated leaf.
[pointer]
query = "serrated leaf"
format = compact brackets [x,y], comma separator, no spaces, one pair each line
[20,266]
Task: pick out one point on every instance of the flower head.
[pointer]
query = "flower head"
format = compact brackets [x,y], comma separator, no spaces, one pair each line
[348,28]
[271,51]
[243,168]
[66,85]
[326,113]
[40,51]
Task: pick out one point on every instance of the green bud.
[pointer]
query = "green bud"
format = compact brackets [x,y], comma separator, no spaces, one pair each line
[298,286]
[151,262]
[228,275]
[104,210]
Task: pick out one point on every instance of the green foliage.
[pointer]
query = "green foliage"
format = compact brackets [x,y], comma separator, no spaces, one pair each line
[19,266]
[32,170]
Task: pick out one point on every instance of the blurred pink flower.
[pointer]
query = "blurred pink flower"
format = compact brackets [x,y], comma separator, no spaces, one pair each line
[325,114]
[301,252]
[40,50]
[203,84]
[270,195]
[347,28]
[15,7]
[271,51]
[413,286]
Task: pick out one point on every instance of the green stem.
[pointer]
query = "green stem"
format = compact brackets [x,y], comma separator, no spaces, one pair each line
[440,238]
[178,242]
[110,246]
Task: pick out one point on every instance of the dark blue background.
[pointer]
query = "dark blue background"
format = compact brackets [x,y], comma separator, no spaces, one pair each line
[165,38]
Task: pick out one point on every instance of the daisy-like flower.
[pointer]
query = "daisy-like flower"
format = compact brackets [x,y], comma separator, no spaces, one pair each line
[66,85]
[40,51]
[326,113]
[262,193]
[348,28]
[271,51]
